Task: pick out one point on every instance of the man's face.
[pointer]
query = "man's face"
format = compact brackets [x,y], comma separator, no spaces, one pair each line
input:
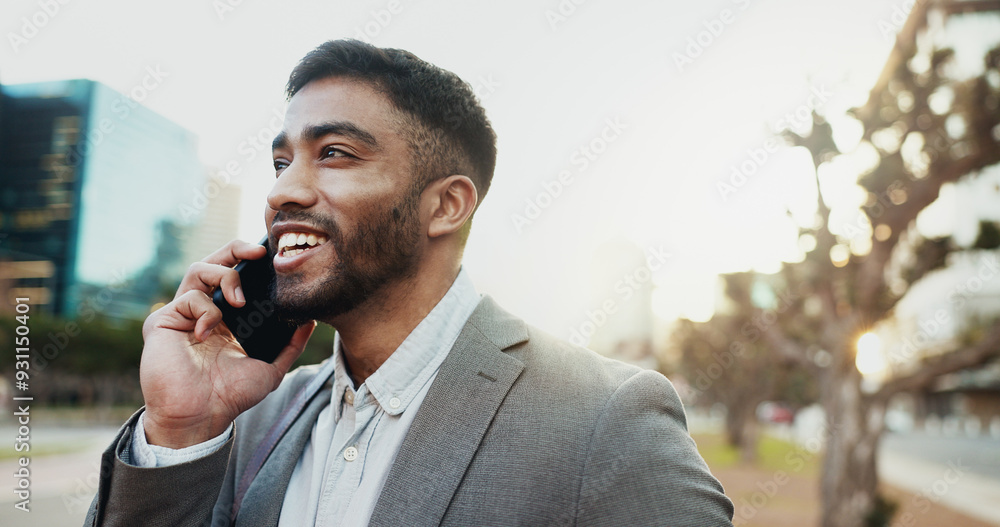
[344,211]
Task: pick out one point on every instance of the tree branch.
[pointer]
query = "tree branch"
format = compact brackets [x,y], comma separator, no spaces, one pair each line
[966,357]
[920,194]
[786,349]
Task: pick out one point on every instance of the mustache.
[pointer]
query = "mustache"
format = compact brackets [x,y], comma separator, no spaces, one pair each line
[319,221]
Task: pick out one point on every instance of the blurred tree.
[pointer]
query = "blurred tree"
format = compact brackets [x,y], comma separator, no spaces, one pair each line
[95,360]
[319,347]
[725,361]
[858,285]
[86,361]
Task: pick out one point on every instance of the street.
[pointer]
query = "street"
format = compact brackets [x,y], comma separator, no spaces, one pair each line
[960,472]
[62,484]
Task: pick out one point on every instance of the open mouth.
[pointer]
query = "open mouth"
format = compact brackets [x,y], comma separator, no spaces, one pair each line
[294,243]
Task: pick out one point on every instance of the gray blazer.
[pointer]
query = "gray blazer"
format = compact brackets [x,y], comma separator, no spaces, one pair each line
[518,428]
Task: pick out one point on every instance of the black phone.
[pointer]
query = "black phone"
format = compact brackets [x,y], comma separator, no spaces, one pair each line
[257,326]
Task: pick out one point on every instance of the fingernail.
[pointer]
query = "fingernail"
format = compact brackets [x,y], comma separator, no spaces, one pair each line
[239,294]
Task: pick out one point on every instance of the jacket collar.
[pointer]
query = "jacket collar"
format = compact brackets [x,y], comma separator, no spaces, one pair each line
[451,422]
[470,386]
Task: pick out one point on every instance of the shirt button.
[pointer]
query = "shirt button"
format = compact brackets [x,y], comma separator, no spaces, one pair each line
[349,397]
[394,402]
[350,453]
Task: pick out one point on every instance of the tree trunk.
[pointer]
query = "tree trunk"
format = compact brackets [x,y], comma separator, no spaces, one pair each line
[853,428]
[741,428]
[751,433]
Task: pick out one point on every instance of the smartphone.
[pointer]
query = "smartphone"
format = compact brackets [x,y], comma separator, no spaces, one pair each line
[257,326]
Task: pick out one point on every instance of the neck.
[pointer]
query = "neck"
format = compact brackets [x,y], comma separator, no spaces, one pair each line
[371,332]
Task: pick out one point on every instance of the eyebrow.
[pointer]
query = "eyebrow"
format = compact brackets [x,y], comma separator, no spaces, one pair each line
[319,131]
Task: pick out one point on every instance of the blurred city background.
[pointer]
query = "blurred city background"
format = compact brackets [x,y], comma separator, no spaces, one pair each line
[790,209]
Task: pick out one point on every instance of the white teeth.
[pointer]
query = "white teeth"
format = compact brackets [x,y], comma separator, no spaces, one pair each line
[289,240]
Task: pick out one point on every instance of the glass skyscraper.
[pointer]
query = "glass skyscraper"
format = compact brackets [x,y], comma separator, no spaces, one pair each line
[92,188]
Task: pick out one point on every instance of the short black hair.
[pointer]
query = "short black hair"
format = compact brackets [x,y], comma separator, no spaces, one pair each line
[447,128]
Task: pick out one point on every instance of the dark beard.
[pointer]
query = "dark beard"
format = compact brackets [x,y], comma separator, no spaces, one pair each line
[382,249]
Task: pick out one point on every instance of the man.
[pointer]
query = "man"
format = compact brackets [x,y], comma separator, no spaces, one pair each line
[437,407]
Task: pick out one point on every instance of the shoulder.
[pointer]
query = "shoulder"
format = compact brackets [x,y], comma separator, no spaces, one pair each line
[617,430]
[545,354]
[587,372]
[640,465]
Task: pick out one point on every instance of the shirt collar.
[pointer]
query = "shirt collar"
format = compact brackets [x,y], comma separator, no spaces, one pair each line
[418,357]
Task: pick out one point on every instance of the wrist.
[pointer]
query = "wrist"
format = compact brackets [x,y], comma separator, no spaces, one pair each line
[181,433]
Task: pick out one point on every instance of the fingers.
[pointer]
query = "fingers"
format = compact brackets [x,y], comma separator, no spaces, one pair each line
[197,314]
[216,271]
[294,348]
[235,251]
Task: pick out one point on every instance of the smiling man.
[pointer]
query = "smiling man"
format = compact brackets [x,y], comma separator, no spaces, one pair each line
[437,407]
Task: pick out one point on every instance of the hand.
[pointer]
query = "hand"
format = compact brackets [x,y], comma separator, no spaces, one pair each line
[195,376]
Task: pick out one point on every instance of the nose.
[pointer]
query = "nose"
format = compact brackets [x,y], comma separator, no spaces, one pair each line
[293,189]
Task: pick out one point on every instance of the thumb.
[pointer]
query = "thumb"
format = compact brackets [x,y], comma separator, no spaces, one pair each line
[293,350]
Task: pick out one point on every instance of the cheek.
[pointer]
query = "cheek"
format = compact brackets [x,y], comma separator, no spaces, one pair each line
[269,215]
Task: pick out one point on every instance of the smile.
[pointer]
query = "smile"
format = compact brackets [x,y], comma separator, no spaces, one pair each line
[294,243]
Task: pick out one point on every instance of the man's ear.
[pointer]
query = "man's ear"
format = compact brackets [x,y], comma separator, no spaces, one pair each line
[452,201]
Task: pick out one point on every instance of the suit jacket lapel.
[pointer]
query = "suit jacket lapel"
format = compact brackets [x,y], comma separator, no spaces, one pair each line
[450,424]
[262,504]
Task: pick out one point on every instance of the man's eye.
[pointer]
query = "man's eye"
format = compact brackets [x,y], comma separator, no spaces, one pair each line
[332,151]
[280,164]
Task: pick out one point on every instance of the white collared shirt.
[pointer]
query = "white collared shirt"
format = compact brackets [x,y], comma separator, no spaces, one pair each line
[343,467]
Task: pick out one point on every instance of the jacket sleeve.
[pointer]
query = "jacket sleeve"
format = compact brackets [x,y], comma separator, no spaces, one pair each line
[643,468]
[178,495]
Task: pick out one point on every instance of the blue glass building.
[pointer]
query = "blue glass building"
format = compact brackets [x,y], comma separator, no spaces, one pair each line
[92,185]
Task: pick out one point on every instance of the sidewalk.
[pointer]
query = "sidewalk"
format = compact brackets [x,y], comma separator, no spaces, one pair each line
[62,484]
[952,484]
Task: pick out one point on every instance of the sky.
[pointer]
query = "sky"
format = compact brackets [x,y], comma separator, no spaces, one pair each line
[616,121]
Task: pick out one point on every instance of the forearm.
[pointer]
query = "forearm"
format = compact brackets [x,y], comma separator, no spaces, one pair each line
[177,495]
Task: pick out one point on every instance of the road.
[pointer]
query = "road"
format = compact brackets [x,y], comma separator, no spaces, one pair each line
[981,455]
[962,473]
[61,485]
[957,471]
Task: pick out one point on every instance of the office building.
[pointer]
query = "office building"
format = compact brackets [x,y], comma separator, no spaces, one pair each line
[91,187]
